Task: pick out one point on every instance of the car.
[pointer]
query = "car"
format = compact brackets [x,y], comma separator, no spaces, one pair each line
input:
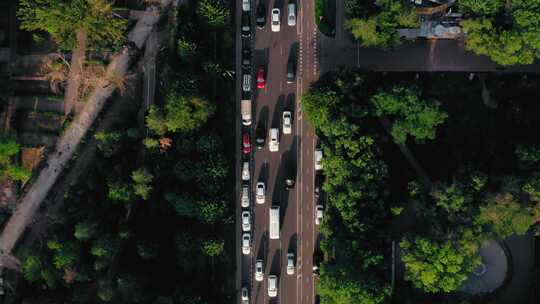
[246,82]
[246,25]
[261,82]
[259,270]
[290,177]
[245,171]
[319,178]
[246,143]
[290,263]
[246,243]
[246,221]
[318,214]
[246,5]
[260,193]
[273,143]
[318,159]
[246,58]
[261,15]
[260,136]
[244,196]
[291,71]
[275,20]
[272,285]
[291,17]
[287,122]
[245,295]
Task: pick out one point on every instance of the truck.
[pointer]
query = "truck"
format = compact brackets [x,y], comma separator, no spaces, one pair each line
[274,222]
[245,110]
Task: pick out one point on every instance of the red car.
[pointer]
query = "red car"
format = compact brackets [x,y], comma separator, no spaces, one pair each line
[260,78]
[246,144]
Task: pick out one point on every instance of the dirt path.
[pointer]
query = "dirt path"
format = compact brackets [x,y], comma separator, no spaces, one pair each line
[68,143]
[75,72]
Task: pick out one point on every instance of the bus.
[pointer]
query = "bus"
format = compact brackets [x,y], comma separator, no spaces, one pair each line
[274,222]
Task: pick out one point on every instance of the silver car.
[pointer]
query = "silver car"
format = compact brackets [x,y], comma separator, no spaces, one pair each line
[259,270]
[246,221]
[318,214]
[260,193]
[291,17]
[275,20]
[287,122]
[246,243]
[245,196]
[318,159]
[290,263]
[245,295]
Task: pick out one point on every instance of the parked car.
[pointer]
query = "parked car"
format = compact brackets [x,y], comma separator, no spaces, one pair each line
[276,20]
[273,143]
[246,243]
[259,270]
[261,82]
[246,82]
[245,196]
[290,177]
[319,178]
[287,122]
[291,17]
[261,15]
[246,5]
[260,136]
[245,295]
[245,171]
[246,58]
[246,221]
[246,25]
[290,263]
[272,285]
[246,143]
[318,214]
[318,159]
[291,70]
[260,193]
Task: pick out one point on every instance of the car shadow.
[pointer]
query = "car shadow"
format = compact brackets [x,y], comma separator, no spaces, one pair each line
[263,117]
[293,245]
[276,118]
[290,104]
[275,263]
[263,248]
[263,177]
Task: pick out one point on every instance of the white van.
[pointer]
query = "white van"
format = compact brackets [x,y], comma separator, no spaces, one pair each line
[273,143]
[245,171]
[272,285]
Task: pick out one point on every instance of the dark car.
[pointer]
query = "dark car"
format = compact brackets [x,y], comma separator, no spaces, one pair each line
[246,25]
[291,71]
[290,177]
[260,136]
[246,58]
[319,178]
[261,15]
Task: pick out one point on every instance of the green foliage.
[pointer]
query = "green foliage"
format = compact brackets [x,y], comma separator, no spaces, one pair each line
[482,8]
[528,155]
[142,179]
[183,243]
[104,247]
[104,291]
[147,249]
[155,121]
[452,198]
[62,19]
[151,143]
[18,173]
[163,300]
[8,149]
[411,114]
[186,49]
[65,255]
[186,114]
[212,211]
[184,170]
[436,266]
[212,248]
[184,204]
[119,191]
[108,142]
[31,268]
[213,12]
[85,230]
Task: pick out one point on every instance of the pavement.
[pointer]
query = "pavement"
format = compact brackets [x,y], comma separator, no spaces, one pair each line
[273,50]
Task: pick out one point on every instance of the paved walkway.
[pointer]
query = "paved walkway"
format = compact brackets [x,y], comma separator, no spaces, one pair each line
[68,143]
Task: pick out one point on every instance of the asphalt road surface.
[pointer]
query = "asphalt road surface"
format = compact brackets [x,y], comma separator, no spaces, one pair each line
[272,50]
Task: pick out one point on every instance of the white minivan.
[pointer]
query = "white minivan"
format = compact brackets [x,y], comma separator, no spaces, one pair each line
[273,143]
[291,16]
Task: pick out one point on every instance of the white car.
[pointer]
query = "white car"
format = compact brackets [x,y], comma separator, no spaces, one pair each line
[246,5]
[245,196]
[245,295]
[273,143]
[245,171]
[272,285]
[275,20]
[291,17]
[318,214]
[246,221]
[287,122]
[260,193]
[259,270]
[318,159]
[290,263]
[246,243]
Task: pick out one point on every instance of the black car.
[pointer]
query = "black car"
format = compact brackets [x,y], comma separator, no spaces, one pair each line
[246,58]
[319,178]
[261,16]
[290,177]
[260,136]
[291,71]
[246,25]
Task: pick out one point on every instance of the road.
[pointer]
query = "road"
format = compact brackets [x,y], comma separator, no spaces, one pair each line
[272,50]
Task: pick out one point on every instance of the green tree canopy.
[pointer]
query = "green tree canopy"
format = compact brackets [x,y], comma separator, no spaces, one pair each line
[62,19]
[213,12]
[212,248]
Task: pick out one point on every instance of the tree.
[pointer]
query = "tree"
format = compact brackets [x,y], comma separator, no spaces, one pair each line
[31,268]
[528,155]
[85,230]
[186,113]
[482,8]
[183,203]
[8,149]
[211,211]
[212,248]
[213,12]
[65,254]
[412,115]
[62,19]
[184,170]
[108,142]
[436,266]
[142,179]
[452,198]
[104,247]
[155,121]
[119,191]
[186,48]
[147,249]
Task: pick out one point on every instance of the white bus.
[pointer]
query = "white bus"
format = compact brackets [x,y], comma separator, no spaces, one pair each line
[274,222]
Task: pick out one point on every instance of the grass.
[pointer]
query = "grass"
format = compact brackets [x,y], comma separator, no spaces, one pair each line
[325,16]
